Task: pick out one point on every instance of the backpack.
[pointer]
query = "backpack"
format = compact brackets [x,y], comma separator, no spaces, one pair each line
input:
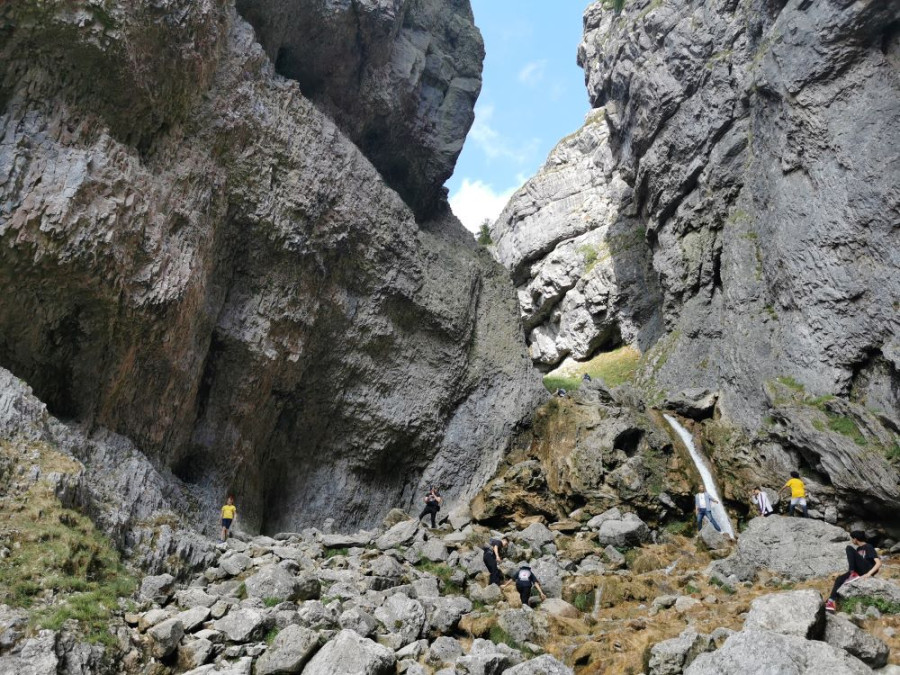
[524,576]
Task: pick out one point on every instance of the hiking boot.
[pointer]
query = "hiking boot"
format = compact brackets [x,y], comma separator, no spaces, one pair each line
[829,606]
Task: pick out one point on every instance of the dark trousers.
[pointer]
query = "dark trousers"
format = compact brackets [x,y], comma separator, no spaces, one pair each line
[490,561]
[524,593]
[855,563]
[431,508]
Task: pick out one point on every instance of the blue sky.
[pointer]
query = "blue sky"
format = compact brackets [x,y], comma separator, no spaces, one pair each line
[533,95]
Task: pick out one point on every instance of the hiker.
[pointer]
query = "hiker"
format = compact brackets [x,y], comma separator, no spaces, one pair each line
[798,494]
[585,378]
[703,508]
[761,501]
[525,580]
[433,501]
[229,513]
[561,392]
[863,561]
[492,558]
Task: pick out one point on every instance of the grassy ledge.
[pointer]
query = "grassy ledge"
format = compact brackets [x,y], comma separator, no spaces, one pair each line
[614,368]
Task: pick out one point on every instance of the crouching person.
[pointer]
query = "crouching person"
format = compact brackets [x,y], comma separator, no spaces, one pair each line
[525,581]
[863,561]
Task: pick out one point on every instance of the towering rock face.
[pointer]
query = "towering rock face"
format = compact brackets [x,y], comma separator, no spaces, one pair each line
[751,148]
[400,78]
[193,255]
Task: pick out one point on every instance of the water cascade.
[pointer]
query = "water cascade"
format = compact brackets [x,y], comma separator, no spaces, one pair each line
[712,489]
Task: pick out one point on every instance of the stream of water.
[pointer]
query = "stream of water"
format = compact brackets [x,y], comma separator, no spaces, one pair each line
[718,510]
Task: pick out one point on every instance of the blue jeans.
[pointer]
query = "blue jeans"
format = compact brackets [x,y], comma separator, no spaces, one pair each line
[706,513]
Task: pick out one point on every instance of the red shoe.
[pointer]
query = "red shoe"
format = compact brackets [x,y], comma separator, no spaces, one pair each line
[853,575]
[829,606]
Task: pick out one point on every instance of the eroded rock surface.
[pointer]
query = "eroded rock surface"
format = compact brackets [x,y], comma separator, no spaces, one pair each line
[194,256]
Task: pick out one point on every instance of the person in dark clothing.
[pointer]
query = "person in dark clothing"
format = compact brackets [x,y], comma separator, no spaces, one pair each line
[525,581]
[492,558]
[863,561]
[433,501]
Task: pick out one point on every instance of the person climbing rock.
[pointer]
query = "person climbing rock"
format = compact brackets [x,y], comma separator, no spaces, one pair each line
[798,494]
[703,508]
[492,558]
[761,501]
[229,513]
[863,561]
[433,501]
[585,378]
[525,580]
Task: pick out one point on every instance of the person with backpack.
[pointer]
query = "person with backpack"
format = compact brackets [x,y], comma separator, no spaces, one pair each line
[863,562]
[433,501]
[229,513]
[798,493]
[703,508]
[492,559]
[525,580]
[761,501]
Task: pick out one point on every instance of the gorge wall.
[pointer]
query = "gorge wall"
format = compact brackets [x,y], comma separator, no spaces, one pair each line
[731,208]
[224,266]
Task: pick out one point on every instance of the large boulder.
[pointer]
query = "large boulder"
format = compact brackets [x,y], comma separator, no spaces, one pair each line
[615,528]
[361,538]
[445,613]
[402,616]
[165,637]
[241,625]
[398,535]
[872,587]
[800,613]
[846,635]
[158,588]
[753,652]
[291,648]
[794,548]
[272,581]
[348,652]
[536,535]
[671,657]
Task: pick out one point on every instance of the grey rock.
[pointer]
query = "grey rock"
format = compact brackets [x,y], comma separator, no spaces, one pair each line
[800,613]
[764,653]
[399,534]
[541,665]
[153,617]
[559,607]
[308,587]
[714,540]
[536,536]
[444,650]
[361,538]
[347,652]
[403,617]
[694,403]
[158,588]
[523,625]
[685,603]
[37,657]
[290,650]
[795,548]
[359,621]
[435,551]
[235,564]
[194,597]
[272,581]
[165,637]
[487,594]
[460,516]
[241,625]
[193,618]
[613,556]
[445,613]
[872,587]
[242,666]
[671,657]
[844,634]
[617,529]
[194,653]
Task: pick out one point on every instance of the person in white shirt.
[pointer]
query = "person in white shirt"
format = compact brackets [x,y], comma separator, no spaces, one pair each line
[761,500]
[703,508]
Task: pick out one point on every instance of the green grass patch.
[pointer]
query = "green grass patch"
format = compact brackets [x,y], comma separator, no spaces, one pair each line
[271,635]
[846,427]
[332,552]
[679,527]
[500,637]
[443,573]
[854,605]
[614,368]
[690,589]
[725,588]
[790,383]
[584,602]
[271,602]
[58,550]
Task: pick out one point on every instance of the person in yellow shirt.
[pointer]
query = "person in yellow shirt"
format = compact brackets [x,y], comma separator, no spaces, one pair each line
[229,513]
[798,494]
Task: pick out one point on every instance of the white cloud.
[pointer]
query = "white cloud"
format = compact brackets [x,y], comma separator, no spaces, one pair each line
[476,201]
[493,144]
[532,74]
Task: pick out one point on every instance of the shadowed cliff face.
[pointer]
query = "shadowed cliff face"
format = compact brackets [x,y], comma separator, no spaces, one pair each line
[399,77]
[194,256]
[731,207]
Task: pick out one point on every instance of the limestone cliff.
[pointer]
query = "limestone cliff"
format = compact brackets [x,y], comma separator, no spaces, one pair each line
[197,257]
[731,207]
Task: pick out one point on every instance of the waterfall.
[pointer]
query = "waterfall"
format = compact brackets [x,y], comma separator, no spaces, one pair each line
[718,509]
